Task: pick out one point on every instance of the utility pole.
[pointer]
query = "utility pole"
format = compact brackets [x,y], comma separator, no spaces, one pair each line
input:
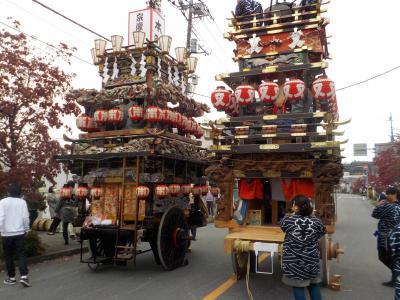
[190,25]
[192,10]
[391,128]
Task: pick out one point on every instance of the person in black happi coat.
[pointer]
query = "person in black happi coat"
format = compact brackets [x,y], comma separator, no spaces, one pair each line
[388,213]
[301,254]
[248,7]
[394,251]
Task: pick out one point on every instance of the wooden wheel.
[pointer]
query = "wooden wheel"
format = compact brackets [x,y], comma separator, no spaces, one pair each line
[239,264]
[325,267]
[172,239]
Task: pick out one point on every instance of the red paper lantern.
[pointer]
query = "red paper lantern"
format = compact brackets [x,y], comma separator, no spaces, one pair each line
[185,124]
[174,189]
[196,190]
[221,98]
[162,191]
[136,113]
[96,192]
[268,91]
[142,192]
[294,90]
[204,189]
[186,189]
[66,192]
[193,126]
[84,122]
[172,117]
[323,89]
[215,191]
[115,115]
[199,134]
[100,116]
[82,192]
[153,114]
[178,118]
[245,95]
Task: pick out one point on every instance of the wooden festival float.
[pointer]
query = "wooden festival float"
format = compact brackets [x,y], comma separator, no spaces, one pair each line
[283,142]
[140,157]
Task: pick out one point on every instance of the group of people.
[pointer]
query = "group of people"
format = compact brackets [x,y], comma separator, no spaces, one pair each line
[387,212]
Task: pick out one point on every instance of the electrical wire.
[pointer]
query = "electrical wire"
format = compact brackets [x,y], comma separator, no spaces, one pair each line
[45,21]
[46,43]
[369,79]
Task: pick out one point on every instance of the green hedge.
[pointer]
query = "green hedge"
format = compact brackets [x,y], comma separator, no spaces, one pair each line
[33,245]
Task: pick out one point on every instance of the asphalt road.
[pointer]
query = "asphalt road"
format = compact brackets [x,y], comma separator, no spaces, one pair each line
[209,267]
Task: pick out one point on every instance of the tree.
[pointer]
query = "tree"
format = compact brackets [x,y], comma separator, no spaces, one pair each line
[34,96]
[388,167]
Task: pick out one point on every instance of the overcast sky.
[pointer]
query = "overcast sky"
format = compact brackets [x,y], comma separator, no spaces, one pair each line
[364,43]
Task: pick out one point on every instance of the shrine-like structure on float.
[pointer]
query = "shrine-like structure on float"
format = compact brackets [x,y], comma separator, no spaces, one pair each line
[140,156]
[279,138]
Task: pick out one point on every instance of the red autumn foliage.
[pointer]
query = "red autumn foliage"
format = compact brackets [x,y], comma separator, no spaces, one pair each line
[388,167]
[33,99]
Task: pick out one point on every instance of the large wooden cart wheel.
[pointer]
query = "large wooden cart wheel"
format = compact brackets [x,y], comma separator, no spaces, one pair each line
[172,239]
[239,264]
[325,267]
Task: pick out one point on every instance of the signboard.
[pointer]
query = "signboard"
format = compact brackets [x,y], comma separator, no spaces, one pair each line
[360,150]
[147,20]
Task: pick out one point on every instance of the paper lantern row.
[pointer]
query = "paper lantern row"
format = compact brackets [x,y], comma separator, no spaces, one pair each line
[323,89]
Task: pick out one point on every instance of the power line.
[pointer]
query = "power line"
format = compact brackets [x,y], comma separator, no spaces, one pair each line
[69,19]
[369,79]
[46,21]
[46,43]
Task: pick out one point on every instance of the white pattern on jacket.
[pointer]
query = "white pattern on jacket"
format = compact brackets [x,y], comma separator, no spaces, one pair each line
[14,216]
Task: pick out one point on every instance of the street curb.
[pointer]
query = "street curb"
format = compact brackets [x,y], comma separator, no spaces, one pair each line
[50,256]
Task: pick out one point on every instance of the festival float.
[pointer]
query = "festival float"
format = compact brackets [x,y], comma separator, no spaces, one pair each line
[280,135]
[139,156]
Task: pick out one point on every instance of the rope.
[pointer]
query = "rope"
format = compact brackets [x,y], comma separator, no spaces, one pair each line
[244,247]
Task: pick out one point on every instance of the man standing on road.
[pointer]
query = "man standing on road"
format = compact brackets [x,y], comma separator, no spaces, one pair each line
[210,200]
[388,213]
[14,223]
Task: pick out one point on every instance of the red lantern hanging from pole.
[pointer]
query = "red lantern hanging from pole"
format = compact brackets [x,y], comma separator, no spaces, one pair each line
[294,90]
[204,189]
[215,191]
[96,192]
[142,192]
[186,189]
[268,91]
[162,191]
[83,122]
[136,113]
[196,190]
[178,120]
[323,89]
[245,95]
[174,189]
[66,192]
[100,116]
[221,98]
[153,114]
[82,192]
[115,115]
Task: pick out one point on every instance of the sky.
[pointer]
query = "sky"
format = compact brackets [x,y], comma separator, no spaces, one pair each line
[363,43]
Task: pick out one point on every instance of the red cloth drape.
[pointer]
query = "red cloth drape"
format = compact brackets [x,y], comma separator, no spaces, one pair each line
[251,189]
[297,187]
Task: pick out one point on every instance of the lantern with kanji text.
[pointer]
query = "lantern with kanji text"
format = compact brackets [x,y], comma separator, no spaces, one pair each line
[153,114]
[136,113]
[221,98]
[142,192]
[294,90]
[66,192]
[186,189]
[196,190]
[96,192]
[115,115]
[268,91]
[323,89]
[82,192]
[162,191]
[100,116]
[174,189]
[84,122]
[245,95]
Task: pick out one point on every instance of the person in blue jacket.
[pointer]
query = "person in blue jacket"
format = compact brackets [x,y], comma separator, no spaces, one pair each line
[387,212]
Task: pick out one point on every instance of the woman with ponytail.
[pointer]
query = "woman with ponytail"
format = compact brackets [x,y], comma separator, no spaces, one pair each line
[301,254]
